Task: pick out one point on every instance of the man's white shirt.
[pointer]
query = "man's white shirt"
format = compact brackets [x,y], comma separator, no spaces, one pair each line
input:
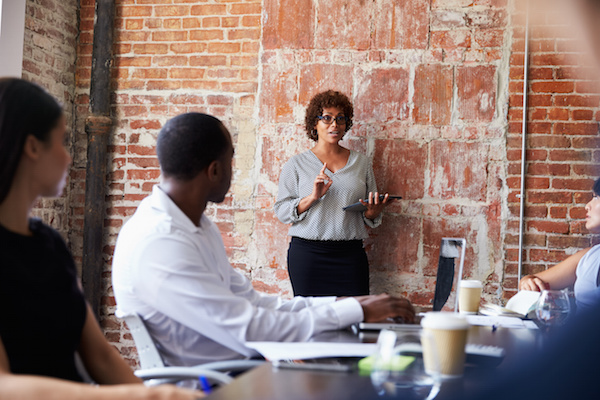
[197,307]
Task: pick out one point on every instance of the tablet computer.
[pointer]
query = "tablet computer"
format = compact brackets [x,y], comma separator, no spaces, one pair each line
[358,206]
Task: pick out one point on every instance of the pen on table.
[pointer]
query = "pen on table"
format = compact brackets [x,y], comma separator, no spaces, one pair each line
[204,384]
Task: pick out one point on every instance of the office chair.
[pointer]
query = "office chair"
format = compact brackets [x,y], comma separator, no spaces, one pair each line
[153,369]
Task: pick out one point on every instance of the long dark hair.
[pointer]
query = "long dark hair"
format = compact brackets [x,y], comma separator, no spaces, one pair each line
[596,187]
[25,109]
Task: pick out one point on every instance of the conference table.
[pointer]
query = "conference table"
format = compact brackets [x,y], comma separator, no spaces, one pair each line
[267,382]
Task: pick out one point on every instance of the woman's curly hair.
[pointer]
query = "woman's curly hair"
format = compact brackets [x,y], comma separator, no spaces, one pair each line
[323,100]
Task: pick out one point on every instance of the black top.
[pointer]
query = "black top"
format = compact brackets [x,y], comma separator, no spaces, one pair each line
[42,308]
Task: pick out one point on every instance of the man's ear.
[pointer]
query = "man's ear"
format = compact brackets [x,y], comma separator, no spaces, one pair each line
[214,171]
[32,147]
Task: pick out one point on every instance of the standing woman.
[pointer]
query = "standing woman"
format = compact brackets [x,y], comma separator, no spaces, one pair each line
[45,319]
[326,255]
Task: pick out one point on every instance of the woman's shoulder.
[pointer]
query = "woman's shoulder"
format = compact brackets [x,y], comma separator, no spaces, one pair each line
[301,158]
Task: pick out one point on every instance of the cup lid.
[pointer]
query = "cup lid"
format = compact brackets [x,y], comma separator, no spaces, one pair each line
[444,320]
[472,283]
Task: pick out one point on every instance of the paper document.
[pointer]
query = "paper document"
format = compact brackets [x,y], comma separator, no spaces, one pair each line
[498,321]
[273,351]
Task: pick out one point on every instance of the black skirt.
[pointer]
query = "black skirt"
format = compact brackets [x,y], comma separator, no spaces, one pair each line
[328,268]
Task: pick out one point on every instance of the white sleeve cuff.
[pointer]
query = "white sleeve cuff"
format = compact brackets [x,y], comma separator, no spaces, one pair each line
[348,311]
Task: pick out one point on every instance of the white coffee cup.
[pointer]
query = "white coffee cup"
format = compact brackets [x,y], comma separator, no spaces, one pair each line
[469,296]
[443,340]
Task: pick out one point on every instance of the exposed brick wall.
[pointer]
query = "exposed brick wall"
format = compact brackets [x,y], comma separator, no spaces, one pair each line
[562,143]
[437,91]
[428,82]
[49,52]
[171,58]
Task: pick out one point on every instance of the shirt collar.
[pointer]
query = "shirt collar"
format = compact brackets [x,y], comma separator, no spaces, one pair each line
[162,202]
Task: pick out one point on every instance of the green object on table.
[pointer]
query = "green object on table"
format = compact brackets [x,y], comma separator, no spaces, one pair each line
[397,363]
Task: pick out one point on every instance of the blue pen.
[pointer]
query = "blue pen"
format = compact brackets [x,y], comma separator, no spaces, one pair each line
[204,384]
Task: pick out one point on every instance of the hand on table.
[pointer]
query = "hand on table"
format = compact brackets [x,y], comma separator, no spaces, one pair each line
[377,308]
[374,206]
[532,282]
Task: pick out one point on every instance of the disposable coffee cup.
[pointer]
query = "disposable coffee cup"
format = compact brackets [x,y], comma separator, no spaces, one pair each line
[443,341]
[469,296]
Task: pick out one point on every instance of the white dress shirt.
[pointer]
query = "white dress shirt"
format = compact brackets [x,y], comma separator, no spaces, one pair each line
[326,218]
[198,309]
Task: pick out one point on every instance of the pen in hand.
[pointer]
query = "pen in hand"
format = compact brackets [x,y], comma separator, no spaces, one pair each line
[204,384]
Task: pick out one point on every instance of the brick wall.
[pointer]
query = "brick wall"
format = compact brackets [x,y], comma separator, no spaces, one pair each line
[428,83]
[562,143]
[49,52]
[436,87]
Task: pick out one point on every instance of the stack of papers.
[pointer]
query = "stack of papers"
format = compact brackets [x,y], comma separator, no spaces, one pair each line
[274,351]
[500,321]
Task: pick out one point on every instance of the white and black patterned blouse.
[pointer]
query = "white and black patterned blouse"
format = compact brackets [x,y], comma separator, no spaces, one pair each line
[326,219]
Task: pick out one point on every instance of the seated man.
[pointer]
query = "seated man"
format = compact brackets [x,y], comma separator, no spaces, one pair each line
[170,265]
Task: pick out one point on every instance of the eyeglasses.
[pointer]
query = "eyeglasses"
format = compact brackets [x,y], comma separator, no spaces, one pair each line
[328,119]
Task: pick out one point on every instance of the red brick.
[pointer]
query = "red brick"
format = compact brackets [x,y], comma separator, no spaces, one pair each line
[387,91]
[150,48]
[564,242]
[401,25]
[551,256]
[242,34]
[281,29]
[572,184]
[476,92]
[489,37]
[577,100]
[209,9]
[315,78]
[548,141]
[171,36]
[558,212]
[451,39]
[396,243]
[171,11]
[451,177]
[206,34]
[230,22]
[552,87]
[223,47]
[248,8]
[392,156]
[433,94]
[549,197]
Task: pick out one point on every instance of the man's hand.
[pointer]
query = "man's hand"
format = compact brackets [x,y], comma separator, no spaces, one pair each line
[377,308]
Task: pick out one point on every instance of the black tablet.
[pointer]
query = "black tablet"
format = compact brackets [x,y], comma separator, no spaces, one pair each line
[358,206]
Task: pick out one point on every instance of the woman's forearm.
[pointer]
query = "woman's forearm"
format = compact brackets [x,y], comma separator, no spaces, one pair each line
[305,203]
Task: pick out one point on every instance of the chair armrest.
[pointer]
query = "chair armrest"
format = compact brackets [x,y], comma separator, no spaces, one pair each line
[231,365]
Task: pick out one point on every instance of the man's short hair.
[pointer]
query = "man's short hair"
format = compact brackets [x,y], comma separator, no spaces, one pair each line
[188,143]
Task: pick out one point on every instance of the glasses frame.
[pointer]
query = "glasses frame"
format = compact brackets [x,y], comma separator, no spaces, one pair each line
[339,120]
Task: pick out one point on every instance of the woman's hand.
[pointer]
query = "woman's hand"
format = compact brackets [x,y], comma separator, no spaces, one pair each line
[532,282]
[374,206]
[321,185]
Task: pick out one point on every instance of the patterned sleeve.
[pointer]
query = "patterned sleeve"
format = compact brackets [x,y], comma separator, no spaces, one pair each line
[288,196]
[371,187]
